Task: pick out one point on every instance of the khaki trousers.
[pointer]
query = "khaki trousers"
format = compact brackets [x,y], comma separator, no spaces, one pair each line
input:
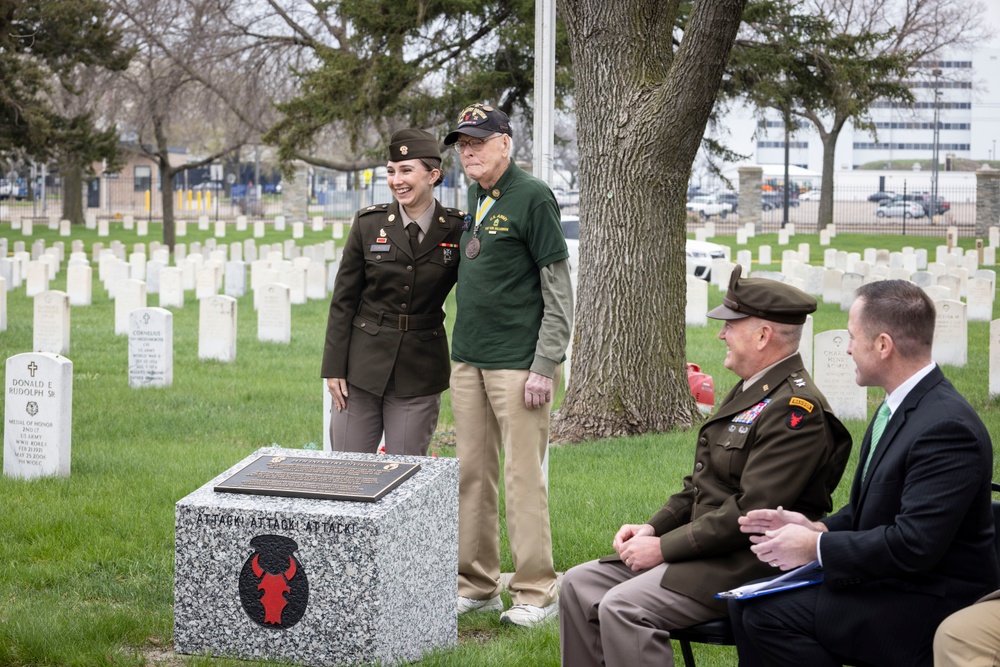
[408,423]
[610,615]
[489,414]
[969,637]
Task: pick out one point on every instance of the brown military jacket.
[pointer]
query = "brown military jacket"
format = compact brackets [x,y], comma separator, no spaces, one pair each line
[386,314]
[778,443]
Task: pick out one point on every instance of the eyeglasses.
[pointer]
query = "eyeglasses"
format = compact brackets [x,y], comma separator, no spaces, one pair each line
[475,144]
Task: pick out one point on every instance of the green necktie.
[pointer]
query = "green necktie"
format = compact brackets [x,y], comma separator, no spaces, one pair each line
[878,425]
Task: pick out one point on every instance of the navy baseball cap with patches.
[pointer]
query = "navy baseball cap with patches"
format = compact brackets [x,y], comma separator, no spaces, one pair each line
[480,120]
[767,299]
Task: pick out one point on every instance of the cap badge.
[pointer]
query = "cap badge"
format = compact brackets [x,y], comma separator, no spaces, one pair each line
[403,150]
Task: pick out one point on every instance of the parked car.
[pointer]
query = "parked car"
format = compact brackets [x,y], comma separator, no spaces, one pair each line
[810,195]
[567,197]
[901,209]
[10,189]
[730,198]
[881,196]
[708,205]
[699,257]
[930,204]
[773,200]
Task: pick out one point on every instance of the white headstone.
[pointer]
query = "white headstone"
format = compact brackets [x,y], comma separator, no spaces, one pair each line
[279,223]
[824,237]
[241,223]
[203,223]
[128,221]
[834,374]
[744,258]
[3,304]
[171,287]
[316,280]
[38,416]
[64,228]
[298,230]
[236,278]
[751,229]
[220,229]
[697,302]
[700,235]
[317,223]
[833,280]
[142,227]
[27,226]
[130,294]
[806,343]
[338,230]
[180,228]
[217,328]
[953,283]
[51,322]
[205,286]
[763,256]
[951,333]
[102,227]
[37,279]
[937,292]
[850,284]
[782,237]
[980,300]
[274,314]
[137,261]
[994,358]
[150,348]
[295,278]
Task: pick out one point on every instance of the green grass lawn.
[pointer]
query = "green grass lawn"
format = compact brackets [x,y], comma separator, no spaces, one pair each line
[88,560]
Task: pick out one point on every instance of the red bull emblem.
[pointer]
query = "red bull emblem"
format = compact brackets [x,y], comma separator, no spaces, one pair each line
[273,585]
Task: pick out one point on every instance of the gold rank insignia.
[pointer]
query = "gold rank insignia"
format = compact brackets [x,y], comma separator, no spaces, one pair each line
[392,216]
[403,150]
[381,233]
[766,387]
[801,403]
[441,219]
[495,193]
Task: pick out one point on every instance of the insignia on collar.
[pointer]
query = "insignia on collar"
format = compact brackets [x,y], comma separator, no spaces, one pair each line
[495,193]
[392,217]
[750,416]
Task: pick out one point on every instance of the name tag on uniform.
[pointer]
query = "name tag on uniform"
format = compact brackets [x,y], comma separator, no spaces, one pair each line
[380,248]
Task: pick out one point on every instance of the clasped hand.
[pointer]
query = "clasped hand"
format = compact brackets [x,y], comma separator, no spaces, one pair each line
[781,538]
[637,546]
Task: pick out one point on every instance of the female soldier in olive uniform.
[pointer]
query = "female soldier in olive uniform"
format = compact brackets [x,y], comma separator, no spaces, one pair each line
[386,354]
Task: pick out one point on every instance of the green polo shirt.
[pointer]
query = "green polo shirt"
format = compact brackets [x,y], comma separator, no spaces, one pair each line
[499,293]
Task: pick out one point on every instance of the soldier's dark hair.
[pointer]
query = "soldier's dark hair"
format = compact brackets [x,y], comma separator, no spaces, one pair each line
[902,310]
[433,163]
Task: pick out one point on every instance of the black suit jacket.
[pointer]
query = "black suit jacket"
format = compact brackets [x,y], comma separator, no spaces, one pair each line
[915,542]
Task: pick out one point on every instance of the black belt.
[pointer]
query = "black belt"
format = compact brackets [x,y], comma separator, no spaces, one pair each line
[402,322]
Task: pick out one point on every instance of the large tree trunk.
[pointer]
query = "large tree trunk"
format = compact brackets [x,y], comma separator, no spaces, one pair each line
[72,194]
[641,114]
[829,163]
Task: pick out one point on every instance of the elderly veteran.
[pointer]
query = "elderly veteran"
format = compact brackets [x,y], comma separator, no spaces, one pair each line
[386,353]
[515,310]
[773,441]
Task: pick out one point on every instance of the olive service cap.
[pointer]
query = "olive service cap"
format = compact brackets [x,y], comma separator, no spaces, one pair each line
[767,299]
[480,120]
[412,144]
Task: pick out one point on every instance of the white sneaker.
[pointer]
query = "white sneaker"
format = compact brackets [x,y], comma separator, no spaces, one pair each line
[528,615]
[466,605]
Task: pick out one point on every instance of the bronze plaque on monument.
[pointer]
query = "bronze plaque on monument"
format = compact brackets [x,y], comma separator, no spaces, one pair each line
[325,478]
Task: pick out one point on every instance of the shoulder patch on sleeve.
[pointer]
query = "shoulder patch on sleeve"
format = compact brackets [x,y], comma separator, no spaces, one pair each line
[801,403]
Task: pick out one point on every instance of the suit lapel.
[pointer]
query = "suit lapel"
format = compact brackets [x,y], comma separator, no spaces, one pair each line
[899,417]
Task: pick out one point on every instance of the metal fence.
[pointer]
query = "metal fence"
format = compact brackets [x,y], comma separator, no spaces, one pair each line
[858,210]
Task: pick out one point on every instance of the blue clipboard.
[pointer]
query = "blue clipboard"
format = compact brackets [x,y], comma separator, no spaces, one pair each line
[807,575]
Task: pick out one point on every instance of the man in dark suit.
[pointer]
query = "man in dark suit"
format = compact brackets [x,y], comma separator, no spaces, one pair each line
[914,543]
[773,440]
